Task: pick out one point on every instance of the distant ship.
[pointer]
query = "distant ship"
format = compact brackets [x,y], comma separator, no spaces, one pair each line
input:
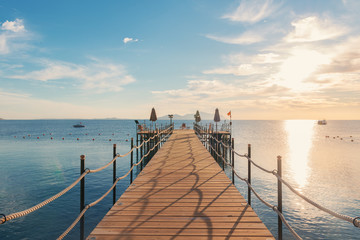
[322,122]
[78,125]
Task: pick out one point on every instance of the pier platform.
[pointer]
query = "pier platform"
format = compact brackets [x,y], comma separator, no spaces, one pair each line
[181,194]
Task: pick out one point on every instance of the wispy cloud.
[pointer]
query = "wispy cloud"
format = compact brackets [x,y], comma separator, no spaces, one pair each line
[246,38]
[13,36]
[251,11]
[247,65]
[312,29]
[240,70]
[99,76]
[129,40]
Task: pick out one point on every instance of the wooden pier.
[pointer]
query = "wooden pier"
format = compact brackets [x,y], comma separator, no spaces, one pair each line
[181,194]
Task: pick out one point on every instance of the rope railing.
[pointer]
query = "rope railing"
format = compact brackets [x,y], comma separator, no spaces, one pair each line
[130,151]
[354,220]
[107,193]
[4,218]
[42,204]
[273,207]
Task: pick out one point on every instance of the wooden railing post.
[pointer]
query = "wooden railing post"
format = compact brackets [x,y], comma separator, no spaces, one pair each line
[233,161]
[82,196]
[141,152]
[137,150]
[249,174]
[279,197]
[131,160]
[147,148]
[114,173]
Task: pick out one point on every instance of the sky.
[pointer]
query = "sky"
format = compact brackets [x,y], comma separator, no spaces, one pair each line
[259,59]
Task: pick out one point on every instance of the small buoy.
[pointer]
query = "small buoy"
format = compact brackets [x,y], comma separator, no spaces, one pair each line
[24,137]
[86,134]
[93,139]
[43,134]
[351,136]
[109,140]
[29,135]
[63,138]
[38,138]
[113,134]
[77,139]
[128,134]
[51,138]
[337,136]
[126,140]
[99,134]
[352,140]
[50,133]
[334,137]
[340,138]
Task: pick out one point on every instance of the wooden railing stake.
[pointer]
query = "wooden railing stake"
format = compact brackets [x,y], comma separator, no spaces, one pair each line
[114,173]
[82,196]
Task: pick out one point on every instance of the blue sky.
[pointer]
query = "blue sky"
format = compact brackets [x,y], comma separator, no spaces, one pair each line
[260,59]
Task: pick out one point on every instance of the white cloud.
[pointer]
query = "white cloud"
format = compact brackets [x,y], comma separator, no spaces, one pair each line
[13,26]
[246,38]
[128,40]
[251,11]
[312,29]
[97,75]
[13,36]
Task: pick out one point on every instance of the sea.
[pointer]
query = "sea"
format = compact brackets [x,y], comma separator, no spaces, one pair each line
[39,158]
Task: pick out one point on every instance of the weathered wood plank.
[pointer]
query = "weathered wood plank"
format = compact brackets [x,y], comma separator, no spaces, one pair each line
[184,194]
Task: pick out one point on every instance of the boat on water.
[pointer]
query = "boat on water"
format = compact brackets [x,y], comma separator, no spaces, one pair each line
[80,125]
[322,122]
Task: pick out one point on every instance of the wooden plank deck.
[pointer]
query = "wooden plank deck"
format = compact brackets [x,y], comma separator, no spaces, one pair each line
[181,194]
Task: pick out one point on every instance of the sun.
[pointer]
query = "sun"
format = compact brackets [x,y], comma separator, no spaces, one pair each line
[298,67]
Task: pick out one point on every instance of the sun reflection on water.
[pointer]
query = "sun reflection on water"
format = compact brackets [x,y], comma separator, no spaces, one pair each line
[299,138]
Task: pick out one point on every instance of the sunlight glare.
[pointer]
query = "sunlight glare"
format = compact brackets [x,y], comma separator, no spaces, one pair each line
[298,67]
[299,138]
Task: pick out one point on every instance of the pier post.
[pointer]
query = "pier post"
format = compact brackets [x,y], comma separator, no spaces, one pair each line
[131,160]
[222,154]
[82,196]
[232,161]
[141,152]
[249,174]
[279,197]
[137,150]
[147,148]
[114,173]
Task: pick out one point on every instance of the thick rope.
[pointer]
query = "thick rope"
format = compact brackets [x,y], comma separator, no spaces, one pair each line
[273,207]
[40,205]
[9,217]
[349,219]
[126,154]
[105,194]
[355,221]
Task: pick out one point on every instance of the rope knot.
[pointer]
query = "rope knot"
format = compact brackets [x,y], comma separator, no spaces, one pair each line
[274,208]
[356,222]
[274,172]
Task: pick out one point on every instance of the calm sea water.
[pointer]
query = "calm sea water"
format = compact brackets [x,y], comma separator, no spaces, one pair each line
[326,169]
